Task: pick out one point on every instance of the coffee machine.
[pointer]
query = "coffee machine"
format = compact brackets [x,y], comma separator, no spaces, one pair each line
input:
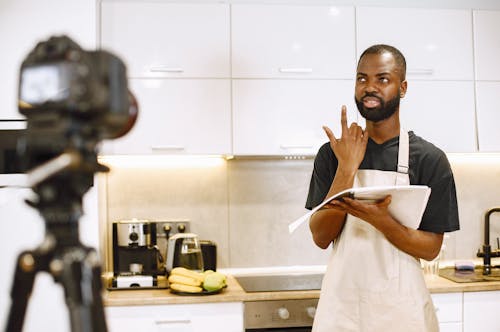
[137,261]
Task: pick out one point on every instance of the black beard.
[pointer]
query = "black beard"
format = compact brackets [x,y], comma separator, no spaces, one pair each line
[384,111]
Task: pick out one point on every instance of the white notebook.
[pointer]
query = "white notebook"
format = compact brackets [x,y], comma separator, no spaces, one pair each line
[407,205]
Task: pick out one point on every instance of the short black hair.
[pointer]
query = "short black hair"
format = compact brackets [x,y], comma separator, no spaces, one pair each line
[383,48]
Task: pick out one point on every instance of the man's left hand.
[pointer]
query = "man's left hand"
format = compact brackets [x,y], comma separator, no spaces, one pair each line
[373,212]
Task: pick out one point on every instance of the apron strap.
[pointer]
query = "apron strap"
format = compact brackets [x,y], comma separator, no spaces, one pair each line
[403,156]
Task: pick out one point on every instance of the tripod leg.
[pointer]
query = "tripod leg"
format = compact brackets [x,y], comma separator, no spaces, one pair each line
[98,307]
[82,285]
[22,286]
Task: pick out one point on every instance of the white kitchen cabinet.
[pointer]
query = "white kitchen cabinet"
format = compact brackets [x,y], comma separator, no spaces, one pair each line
[23,23]
[487,44]
[285,117]
[448,308]
[292,41]
[481,311]
[205,317]
[177,116]
[168,39]
[437,43]
[450,327]
[441,112]
[488,116]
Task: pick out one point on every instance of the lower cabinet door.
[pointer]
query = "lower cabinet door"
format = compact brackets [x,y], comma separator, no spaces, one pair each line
[220,317]
[481,311]
[448,308]
[450,327]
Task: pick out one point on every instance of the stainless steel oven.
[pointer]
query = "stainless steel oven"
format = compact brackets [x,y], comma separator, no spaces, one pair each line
[295,314]
[280,315]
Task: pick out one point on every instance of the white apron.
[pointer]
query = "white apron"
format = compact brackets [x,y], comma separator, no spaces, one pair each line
[369,284]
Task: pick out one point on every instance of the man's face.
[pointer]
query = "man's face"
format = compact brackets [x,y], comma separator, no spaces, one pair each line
[378,86]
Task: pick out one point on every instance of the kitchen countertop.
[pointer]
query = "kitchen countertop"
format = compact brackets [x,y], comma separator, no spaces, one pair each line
[234,293]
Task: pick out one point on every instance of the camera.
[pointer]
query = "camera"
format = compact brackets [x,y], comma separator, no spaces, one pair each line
[72,99]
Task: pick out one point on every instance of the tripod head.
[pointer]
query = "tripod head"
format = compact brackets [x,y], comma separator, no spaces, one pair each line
[72,100]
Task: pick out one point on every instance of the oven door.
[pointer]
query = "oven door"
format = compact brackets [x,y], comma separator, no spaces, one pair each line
[280,315]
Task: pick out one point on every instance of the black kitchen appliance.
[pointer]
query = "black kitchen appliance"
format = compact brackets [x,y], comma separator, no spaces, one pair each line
[137,261]
[209,252]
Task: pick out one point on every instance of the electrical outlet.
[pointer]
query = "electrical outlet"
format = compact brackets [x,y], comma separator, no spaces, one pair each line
[175,226]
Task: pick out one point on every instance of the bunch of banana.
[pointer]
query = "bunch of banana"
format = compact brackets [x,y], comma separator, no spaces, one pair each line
[185,280]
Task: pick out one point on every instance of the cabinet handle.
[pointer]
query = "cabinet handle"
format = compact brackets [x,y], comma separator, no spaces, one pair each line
[172,321]
[166,69]
[420,71]
[167,147]
[289,146]
[296,70]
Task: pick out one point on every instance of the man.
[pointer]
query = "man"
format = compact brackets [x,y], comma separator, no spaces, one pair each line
[374,281]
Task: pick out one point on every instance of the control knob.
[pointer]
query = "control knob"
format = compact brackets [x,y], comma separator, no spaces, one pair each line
[311,311]
[133,236]
[283,313]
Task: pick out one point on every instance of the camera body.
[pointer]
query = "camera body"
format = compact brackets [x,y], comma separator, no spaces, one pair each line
[72,99]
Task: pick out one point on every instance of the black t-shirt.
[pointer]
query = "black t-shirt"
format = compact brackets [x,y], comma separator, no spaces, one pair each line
[428,165]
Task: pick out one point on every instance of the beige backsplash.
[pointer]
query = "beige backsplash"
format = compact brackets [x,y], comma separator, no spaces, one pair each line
[245,206]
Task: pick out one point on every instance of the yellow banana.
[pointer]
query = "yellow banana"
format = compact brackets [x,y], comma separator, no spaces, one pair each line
[180,279]
[186,288]
[182,271]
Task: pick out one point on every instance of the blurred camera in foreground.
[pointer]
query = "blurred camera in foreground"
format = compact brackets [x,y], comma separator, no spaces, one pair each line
[72,99]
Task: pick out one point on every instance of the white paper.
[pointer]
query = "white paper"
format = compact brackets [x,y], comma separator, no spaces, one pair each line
[407,205]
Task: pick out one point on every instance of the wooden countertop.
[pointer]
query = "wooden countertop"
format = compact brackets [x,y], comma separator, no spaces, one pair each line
[234,293]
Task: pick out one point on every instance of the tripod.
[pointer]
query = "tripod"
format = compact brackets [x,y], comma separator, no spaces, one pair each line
[60,185]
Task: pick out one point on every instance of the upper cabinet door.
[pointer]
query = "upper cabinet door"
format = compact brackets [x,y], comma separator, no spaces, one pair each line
[178,117]
[437,43]
[168,40]
[24,23]
[285,117]
[487,45]
[278,41]
[442,112]
[488,116]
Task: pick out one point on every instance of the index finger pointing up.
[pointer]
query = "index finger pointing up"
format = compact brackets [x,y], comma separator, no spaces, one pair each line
[343,120]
